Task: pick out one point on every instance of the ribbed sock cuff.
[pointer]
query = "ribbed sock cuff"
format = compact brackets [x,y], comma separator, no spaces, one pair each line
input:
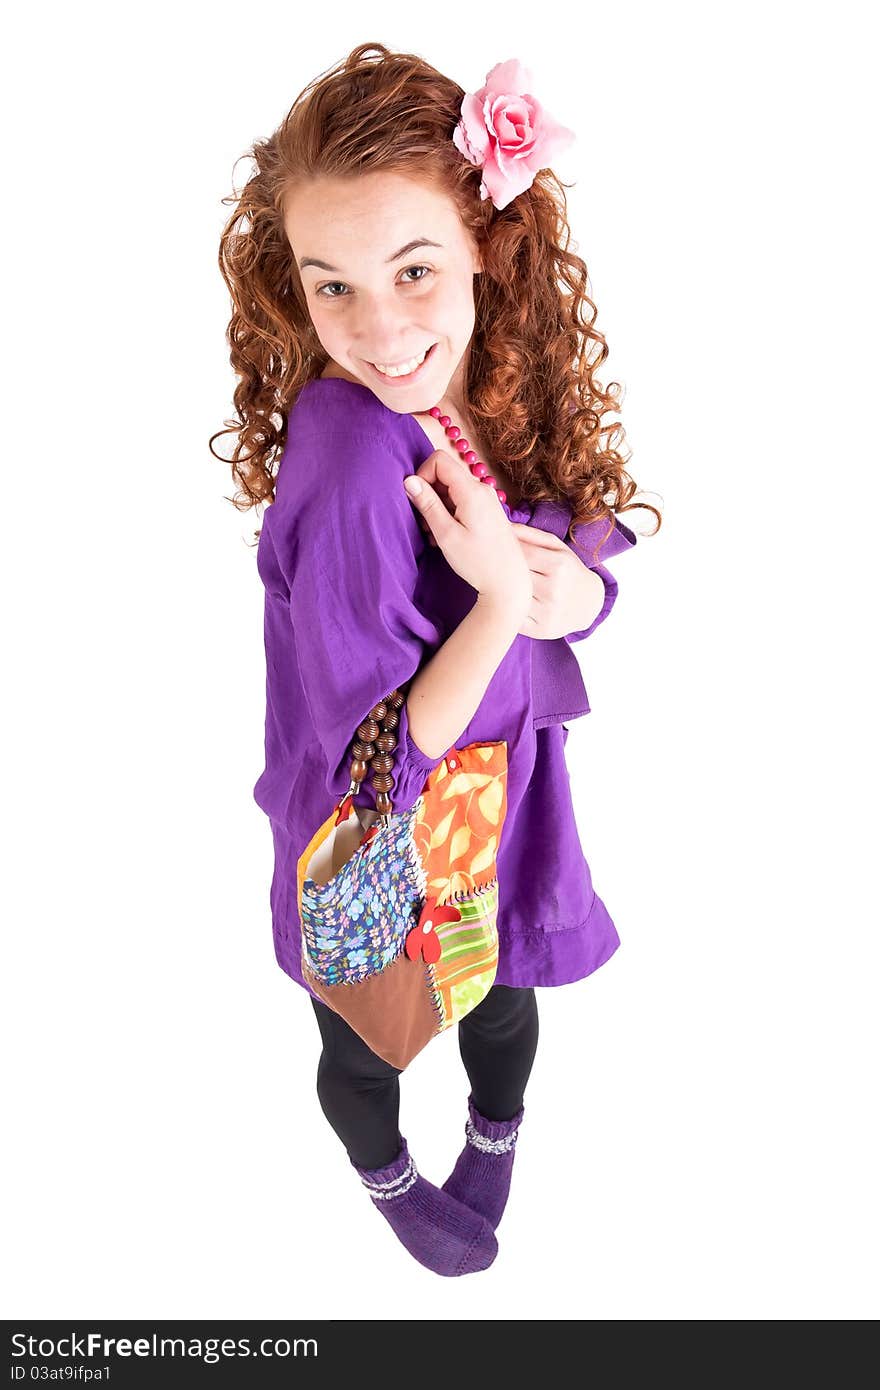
[393,1180]
[491,1136]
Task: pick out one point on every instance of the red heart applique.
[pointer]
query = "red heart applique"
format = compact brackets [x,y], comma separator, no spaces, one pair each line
[423,941]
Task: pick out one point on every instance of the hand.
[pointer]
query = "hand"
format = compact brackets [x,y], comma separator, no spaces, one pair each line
[470,526]
[566,596]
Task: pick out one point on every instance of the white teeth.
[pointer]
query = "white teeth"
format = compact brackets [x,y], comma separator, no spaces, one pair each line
[402,368]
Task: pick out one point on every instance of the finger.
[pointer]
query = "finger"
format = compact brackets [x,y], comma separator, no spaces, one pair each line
[535,536]
[442,492]
[449,475]
[464,486]
[450,480]
[428,470]
[423,497]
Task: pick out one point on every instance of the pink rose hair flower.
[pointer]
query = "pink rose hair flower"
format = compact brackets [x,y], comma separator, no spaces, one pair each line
[505,129]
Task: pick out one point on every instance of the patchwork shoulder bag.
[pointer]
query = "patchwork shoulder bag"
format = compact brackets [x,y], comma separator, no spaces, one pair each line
[399,933]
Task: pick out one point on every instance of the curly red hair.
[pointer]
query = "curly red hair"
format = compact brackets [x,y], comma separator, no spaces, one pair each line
[530,389]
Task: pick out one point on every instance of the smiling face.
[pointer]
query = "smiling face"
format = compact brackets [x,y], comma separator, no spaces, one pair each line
[378,297]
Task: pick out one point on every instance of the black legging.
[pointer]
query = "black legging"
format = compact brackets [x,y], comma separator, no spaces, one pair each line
[360,1092]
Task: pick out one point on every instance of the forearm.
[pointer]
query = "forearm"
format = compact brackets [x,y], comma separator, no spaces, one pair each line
[446,693]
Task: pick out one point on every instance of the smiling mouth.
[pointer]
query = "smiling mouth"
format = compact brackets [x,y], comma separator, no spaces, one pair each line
[403,376]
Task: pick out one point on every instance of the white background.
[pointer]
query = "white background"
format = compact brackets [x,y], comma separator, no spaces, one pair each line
[699,1140]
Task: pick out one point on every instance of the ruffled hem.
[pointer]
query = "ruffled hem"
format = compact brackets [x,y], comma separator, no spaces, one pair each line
[548,957]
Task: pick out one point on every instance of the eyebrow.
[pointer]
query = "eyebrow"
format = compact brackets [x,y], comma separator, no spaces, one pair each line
[404,251]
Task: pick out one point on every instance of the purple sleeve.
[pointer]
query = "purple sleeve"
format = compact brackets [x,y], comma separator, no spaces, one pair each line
[555,517]
[358,608]
[621,538]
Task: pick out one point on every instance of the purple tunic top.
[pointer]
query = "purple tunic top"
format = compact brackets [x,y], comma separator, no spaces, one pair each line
[356,601]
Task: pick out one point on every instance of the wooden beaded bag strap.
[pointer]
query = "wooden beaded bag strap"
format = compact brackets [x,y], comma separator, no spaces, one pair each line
[373,749]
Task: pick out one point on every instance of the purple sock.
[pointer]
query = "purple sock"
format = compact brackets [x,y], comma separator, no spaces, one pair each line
[481,1176]
[438,1231]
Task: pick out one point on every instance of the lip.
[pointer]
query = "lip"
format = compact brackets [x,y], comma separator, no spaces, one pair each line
[403,380]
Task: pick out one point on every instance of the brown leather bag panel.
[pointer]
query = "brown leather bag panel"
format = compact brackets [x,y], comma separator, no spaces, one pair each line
[391,1011]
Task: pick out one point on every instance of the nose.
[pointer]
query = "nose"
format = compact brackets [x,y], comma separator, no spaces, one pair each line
[382,334]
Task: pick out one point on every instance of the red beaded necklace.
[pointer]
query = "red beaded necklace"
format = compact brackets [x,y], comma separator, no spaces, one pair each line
[477,467]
